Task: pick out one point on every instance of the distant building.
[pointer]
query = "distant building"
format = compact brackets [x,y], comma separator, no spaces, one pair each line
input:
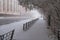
[9,7]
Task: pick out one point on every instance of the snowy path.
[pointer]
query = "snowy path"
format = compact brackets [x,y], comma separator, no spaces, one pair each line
[37,32]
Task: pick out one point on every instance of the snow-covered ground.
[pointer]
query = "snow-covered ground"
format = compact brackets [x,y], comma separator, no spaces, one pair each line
[37,32]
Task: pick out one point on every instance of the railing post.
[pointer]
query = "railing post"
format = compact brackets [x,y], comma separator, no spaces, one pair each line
[12,35]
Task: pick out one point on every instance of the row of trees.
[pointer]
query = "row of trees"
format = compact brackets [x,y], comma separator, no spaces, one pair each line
[51,7]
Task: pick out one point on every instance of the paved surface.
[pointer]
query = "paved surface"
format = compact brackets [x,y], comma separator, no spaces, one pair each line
[7,20]
[37,32]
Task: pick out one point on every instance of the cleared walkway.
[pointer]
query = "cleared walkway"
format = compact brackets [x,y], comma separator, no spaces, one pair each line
[37,32]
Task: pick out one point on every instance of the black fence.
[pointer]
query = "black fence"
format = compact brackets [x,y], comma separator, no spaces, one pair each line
[7,36]
[29,24]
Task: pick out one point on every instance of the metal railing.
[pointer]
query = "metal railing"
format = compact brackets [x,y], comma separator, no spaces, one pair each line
[7,36]
[29,24]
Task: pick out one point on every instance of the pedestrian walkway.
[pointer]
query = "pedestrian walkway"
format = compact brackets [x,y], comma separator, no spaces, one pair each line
[37,32]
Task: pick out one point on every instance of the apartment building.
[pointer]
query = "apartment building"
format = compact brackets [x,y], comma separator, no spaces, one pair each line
[9,7]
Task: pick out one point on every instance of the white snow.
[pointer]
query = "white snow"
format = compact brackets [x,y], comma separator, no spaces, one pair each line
[36,32]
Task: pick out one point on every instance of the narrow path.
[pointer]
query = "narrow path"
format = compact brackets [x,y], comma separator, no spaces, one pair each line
[37,32]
